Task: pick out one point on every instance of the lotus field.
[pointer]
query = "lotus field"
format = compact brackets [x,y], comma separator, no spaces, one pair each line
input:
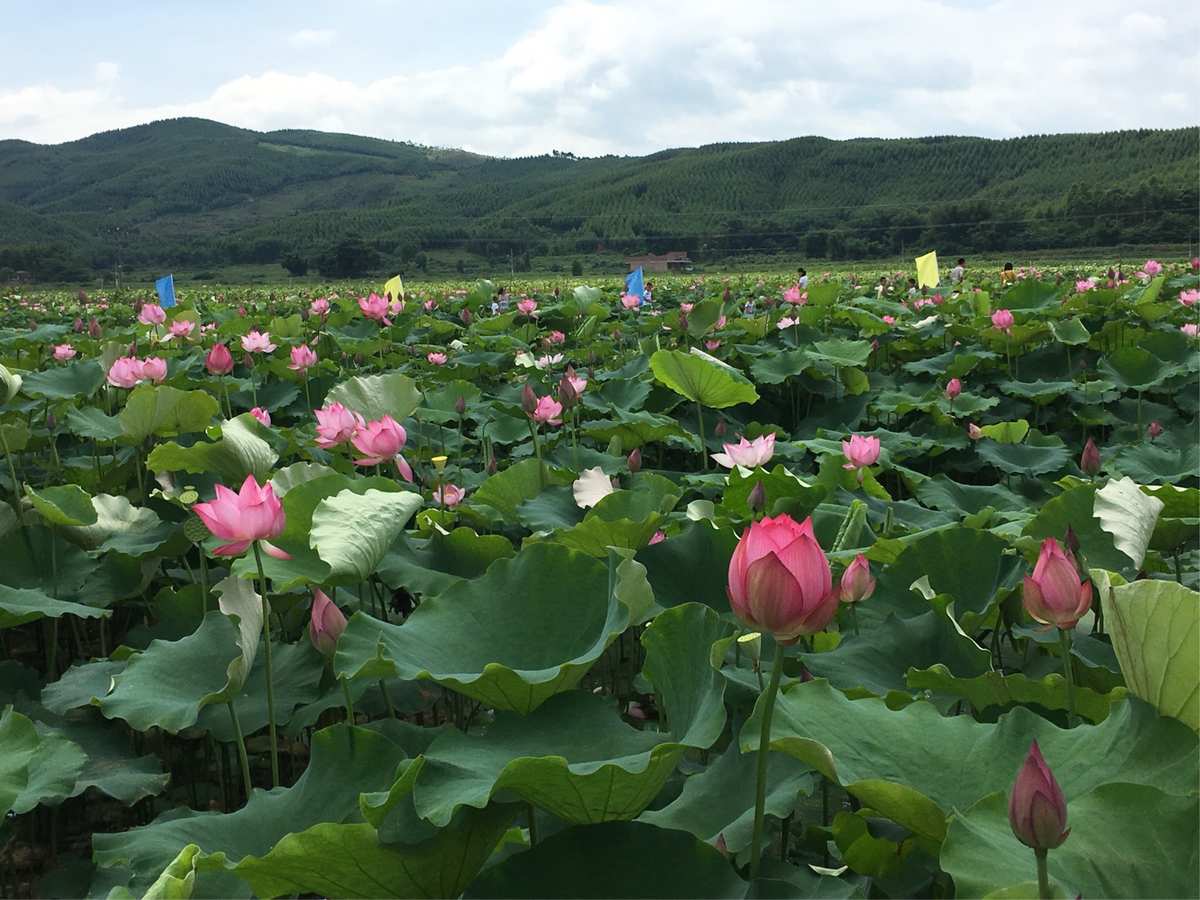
[759,589]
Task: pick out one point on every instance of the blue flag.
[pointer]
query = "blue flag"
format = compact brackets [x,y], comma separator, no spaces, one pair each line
[166,291]
[634,285]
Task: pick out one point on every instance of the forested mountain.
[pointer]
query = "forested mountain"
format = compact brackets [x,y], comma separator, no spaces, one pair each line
[196,192]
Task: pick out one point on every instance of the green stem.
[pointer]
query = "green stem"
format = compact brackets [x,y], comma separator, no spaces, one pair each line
[1064,635]
[533,835]
[764,741]
[12,471]
[387,698]
[537,449]
[349,701]
[1043,874]
[241,746]
[266,611]
[703,446]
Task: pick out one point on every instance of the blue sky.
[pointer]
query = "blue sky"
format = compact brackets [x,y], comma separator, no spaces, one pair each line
[602,76]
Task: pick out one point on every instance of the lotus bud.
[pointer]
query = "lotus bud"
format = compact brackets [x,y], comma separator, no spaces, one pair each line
[757,498]
[465,316]
[719,428]
[1054,594]
[1037,809]
[953,388]
[491,466]
[974,432]
[1089,462]
[1154,430]
[94,330]
[460,404]
[566,393]
[529,400]
[635,461]
[326,623]
[78,325]
[857,582]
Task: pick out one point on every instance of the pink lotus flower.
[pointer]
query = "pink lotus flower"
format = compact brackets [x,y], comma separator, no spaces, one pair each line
[436,358]
[860,452]
[1002,320]
[795,296]
[889,320]
[779,579]
[375,307]
[1189,298]
[381,441]
[252,514]
[125,372]
[1037,809]
[63,352]
[262,415]
[448,496]
[258,342]
[335,425]
[325,623]
[748,454]
[857,582]
[154,369]
[1083,285]
[556,337]
[548,411]
[152,314]
[721,323]
[429,305]
[1053,594]
[631,301]
[785,322]
[686,308]
[219,361]
[1089,460]
[1191,329]
[579,385]
[1154,430]
[712,345]
[319,307]
[1196,263]
[974,432]
[1152,267]
[953,389]
[303,358]
[657,538]
[395,307]
[526,306]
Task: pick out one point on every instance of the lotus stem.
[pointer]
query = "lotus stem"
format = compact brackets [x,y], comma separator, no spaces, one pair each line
[1064,635]
[349,701]
[266,611]
[764,740]
[1043,874]
[703,447]
[241,746]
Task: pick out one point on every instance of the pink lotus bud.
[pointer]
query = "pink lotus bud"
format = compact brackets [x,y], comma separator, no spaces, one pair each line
[953,388]
[78,325]
[779,579]
[325,624]
[1002,320]
[219,360]
[465,316]
[634,461]
[857,582]
[1037,809]
[547,411]
[262,415]
[566,393]
[860,451]
[1072,541]
[974,432]
[1053,594]
[719,428]
[154,369]
[529,400]
[460,404]
[303,358]
[252,514]
[1154,430]
[491,466]
[757,498]
[63,352]
[1089,461]
[94,330]
[152,314]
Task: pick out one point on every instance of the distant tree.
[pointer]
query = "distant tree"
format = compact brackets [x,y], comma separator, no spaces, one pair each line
[459,267]
[421,261]
[351,258]
[576,267]
[295,264]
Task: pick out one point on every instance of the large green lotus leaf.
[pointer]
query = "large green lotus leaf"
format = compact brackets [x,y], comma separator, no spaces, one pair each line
[348,860]
[298,473]
[1134,369]
[163,410]
[80,378]
[841,352]
[375,396]
[21,605]
[168,684]
[51,772]
[1007,432]
[82,685]
[1156,464]
[595,535]
[1074,508]
[779,367]
[876,660]
[1070,331]
[66,504]
[1127,840]
[1155,631]
[690,690]
[915,766]
[691,566]
[507,490]
[1024,459]
[553,509]
[967,564]
[719,801]
[344,762]
[1129,515]
[648,494]
[997,690]
[612,860]
[241,450]
[703,382]
[351,532]
[572,756]
[1037,391]
[431,565]
[784,492]
[91,422]
[19,747]
[531,626]
[121,527]
[941,492]
[297,670]
[1030,294]
[635,429]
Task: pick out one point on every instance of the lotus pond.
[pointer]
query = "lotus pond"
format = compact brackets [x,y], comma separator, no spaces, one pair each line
[756,590]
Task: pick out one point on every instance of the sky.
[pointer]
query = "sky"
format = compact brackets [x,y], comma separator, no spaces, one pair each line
[628,77]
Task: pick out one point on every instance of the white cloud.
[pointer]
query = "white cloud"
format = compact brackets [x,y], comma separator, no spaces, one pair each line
[633,77]
[312,37]
[107,71]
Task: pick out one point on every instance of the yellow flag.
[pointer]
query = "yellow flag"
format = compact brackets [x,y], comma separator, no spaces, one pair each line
[394,289]
[927,270]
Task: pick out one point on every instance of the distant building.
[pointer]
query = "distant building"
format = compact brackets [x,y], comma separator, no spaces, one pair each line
[674,261]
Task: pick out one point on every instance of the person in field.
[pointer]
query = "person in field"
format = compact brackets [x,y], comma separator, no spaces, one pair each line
[912,287]
[802,280]
[648,293]
[1008,276]
[959,270]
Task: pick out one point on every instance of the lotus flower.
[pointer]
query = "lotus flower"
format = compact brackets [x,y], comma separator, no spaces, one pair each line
[1002,320]
[325,624]
[1083,285]
[219,361]
[712,345]
[381,441]
[860,452]
[94,330]
[1037,809]
[953,389]
[252,514]
[556,337]
[437,358]
[547,411]
[795,296]
[785,322]
[258,342]
[686,308]
[577,383]
[154,369]
[262,415]
[319,307]
[1089,460]
[974,432]
[889,320]
[63,352]
[526,306]
[779,579]
[125,372]
[657,538]
[634,461]
[1189,298]
[1191,329]
[181,328]
[152,314]
[857,582]
[631,301]
[748,454]
[1053,594]
[1155,429]
[1152,267]
[375,307]
[545,362]
[448,496]
[335,425]
[303,358]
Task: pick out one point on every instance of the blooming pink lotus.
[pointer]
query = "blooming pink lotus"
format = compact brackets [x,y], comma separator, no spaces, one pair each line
[779,579]
[1037,808]
[319,307]
[889,320]
[953,389]
[125,372]
[1189,298]
[1152,267]
[548,411]
[154,369]
[181,329]
[429,305]
[262,415]
[748,454]
[325,623]
[785,322]
[795,296]
[258,342]
[857,582]
[395,307]
[686,308]
[527,306]
[375,307]
[152,314]
[1053,594]
[657,538]
[448,496]
[219,361]
[579,385]
[381,441]
[303,358]
[63,352]
[336,425]
[556,337]
[1002,320]
[1191,329]
[860,451]
[631,301]
[436,357]
[1083,285]
[712,345]
[252,514]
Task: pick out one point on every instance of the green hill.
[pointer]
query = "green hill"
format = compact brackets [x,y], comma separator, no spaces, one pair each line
[195,192]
